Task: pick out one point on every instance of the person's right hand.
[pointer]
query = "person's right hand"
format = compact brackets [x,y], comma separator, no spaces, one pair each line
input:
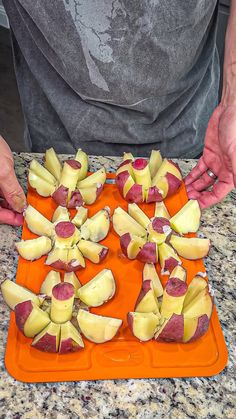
[12,197]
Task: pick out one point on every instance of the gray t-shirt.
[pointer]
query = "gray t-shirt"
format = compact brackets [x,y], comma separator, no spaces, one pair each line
[116,75]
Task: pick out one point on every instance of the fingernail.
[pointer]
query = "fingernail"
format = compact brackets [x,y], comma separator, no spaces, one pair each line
[18,203]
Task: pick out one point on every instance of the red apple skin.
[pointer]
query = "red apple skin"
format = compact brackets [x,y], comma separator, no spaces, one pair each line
[173,183]
[63,291]
[47,343]
[148,253]
[135,194]
[173,331]
[103,254]
[58,264]
[65,229]
[176,288]
[68,345]
[139,164]
[76,200]
[124,163]
[170,264]
[70,268]
[154,195]
[130,321]
[22,312]
[125,240]
[202,327]
[146,287]
[74,164]
[121,178]
[158,223]
[60,195]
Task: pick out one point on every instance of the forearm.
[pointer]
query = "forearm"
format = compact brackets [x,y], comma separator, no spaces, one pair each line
[229,75]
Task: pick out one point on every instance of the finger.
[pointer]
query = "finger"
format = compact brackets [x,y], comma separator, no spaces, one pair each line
[217,194]
[12,190]
[10,217]
[196,172]
[204,182]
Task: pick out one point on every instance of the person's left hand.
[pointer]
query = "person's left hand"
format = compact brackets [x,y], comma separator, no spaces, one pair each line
[219,157]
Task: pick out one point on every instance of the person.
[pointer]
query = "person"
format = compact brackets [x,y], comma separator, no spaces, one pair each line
[114,76]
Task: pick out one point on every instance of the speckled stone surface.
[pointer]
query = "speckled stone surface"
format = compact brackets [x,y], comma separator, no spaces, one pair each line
[213,397]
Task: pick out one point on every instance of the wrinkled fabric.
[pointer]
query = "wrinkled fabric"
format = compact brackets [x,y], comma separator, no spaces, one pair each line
[111,76]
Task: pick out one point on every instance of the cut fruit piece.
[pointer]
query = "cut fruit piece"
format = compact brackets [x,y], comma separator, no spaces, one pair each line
[37,223]
[82,158]
[48,339]
[161,210]
[187,220]
[70,174]
[80,216]
[124,167]
[179,272]
[153,194]
[71,278]
[60,195]
[70,339]
[30,319]
[43,173]
[91,193]
[52,163]
[148,253]
[190,248]
[161,184]
[147,301]
[75,260]
[194,328]
[168,259]
[143,325]
[35,248]
[57,258]
[158,230]
[62,302]
[173,297]
[130,190]
[131,245]
[42,187]
[53,278]
[140,216]
[61,214]
[123,223]
[66,234]
[97,329]
[197,284]
[14,294]
[141,172]
[200,305]
[171,330]
[98,290]
[94,252]
[169,166]
[128,156]
[150,273]
[155,162]
[97,227]
[96,177]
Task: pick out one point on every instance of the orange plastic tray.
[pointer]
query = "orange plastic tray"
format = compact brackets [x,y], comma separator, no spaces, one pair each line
[124,356]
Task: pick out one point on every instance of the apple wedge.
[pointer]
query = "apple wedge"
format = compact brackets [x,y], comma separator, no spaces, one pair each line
[200,305]
[75,260]
[52,163]
[124,223]
[70,174]
[128,156]
[80,216]
[30,319]
[82,158]
[173,297]
[37,223]
[98,290]
[180,273]
[96,177]
[131,245]
[62,302]
[190,248]
[197,284]
[71,278]
[48,339]
[14,294]
[187,220]
[138,215]
[34,248]
[42,187]
[147,301]
[195,327]
[158,230]
[52,278]
[161,210]
[70,339]
[171,329]
[155,162]
[95,252]
[57,258]
[61,214]
[148,253]
[43,173]
[97,329]
[91,193]
[168,258]
[141,172]
[150,273]
[97,227]
[143,325]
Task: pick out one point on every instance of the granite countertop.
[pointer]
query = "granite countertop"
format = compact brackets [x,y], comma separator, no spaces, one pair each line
[213,397]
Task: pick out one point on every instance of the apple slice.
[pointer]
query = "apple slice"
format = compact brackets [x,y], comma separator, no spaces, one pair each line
[125,166]
[161,210]
[30,319]
[124,223]
[96,177]
[75,260]
[70,174]
[96,228]
[143,325]
[200,305]
[91,193]
[35,248]
[169,166]
[158,230]
[14,294]
[180,273]
[155,162]
[98,290]
[57,258]
[97,329]
[82,158]
[138,215]
[70,339]
[161,183]
[141,172]
[171,330]
[61,214]
[148,253]
[195,327]
[48,339]
[71,278]
[173,297]
[95,252]
[197,284]
[43,173]
[62,302]
[168,259]
[150,273]
[52,278]
[190,248]
[128,156]
[42,187]
[187,220]
[37,223]
[147,301]
[131,245]
[52,163]
[80,216]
